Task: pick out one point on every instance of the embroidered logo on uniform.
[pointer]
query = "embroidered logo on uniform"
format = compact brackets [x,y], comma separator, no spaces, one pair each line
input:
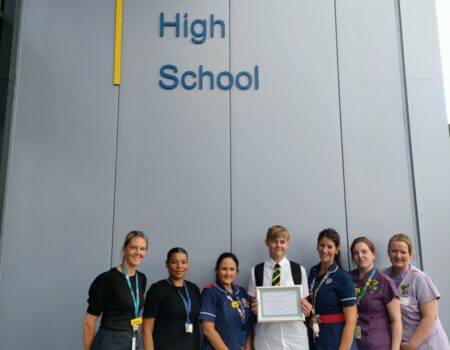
[328,280]
[373,286]
[404,288]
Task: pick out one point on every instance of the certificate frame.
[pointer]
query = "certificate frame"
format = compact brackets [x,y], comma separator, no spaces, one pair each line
[279,304]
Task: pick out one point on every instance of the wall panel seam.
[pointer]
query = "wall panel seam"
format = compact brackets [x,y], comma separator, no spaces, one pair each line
[406,117]
[230,130]
[340,129]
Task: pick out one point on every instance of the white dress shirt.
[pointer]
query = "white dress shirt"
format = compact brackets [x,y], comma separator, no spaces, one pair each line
[291,335]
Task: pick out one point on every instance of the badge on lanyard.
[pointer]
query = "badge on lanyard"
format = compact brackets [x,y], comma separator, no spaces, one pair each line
[188,326]
[136,321]
[404,300]
[315,290]
[239,306]
[315,325]
[133,343]
[358,334]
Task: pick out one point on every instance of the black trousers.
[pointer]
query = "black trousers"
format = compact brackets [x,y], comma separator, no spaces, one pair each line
[109,339]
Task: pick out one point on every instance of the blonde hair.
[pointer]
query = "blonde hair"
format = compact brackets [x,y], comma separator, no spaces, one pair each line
[134,234]
[277,231]
[402,237]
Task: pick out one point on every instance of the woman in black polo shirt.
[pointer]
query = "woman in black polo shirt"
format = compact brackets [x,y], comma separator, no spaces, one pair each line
[118,295]
[172,308]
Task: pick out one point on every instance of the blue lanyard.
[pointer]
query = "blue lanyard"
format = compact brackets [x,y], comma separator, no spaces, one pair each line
[133,296]
[186,301]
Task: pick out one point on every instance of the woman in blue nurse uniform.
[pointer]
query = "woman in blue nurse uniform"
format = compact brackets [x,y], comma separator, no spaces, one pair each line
[225,311]
[332,297]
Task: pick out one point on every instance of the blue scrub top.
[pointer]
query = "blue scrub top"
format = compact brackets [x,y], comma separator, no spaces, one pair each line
[335,293]
[216,307]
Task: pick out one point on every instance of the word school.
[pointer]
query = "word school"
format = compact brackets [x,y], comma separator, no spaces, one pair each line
[198,31]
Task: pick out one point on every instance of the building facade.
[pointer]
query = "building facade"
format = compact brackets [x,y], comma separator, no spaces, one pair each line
[229,117]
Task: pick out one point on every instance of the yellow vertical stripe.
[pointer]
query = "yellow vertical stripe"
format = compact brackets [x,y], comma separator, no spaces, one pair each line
[118,42]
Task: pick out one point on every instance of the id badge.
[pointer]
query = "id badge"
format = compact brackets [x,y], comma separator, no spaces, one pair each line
[189,327]
[404,300]
[358,332]
[135,322]
[133,343]
[315,325]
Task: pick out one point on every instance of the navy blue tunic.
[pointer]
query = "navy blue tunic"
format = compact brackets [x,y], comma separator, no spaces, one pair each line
[216,307]
[335,293]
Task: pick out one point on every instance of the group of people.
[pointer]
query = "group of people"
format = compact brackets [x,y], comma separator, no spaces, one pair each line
[396,308]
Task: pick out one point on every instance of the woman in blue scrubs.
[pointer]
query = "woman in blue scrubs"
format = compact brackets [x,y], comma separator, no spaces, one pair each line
[225,310]
[332,297]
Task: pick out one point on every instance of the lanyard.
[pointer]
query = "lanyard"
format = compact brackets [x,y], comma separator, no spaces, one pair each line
[241,311]
[186,301]
[133,296]
[240,308]
[315,291]
[362,292]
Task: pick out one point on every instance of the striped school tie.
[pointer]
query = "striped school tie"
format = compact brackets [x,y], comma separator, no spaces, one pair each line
[276,275]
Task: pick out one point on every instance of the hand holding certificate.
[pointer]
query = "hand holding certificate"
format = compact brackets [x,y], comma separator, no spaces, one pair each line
[280,303]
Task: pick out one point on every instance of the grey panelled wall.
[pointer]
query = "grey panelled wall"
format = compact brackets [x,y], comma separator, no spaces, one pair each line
[173,161]
[378,186]
[286,143]
[57,221]
[336,135]
[429,141]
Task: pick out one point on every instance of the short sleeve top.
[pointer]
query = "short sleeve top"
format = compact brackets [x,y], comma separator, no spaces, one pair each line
[110,296]
[416,288]
[373,317]
[330,293]
[335,293]
[165,304]
[230,313]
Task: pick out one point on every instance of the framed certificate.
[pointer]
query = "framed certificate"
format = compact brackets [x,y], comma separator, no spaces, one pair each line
[278,304]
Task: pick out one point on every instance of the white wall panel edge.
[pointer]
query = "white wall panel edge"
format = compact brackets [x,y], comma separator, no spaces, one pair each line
[429,141]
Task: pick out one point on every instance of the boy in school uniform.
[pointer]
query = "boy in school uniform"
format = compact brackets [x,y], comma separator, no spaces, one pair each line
[277,270]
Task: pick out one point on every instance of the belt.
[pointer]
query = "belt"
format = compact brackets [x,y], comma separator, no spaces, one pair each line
[335,318]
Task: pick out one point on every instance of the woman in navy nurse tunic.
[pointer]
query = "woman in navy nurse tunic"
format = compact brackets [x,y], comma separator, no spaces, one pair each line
[225,311]
[332,297]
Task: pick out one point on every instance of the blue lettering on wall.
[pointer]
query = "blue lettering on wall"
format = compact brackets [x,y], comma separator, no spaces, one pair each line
[224,80]
[163,72]
[198,28]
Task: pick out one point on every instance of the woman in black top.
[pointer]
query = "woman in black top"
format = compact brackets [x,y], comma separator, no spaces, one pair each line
[172,308]
[118,295]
